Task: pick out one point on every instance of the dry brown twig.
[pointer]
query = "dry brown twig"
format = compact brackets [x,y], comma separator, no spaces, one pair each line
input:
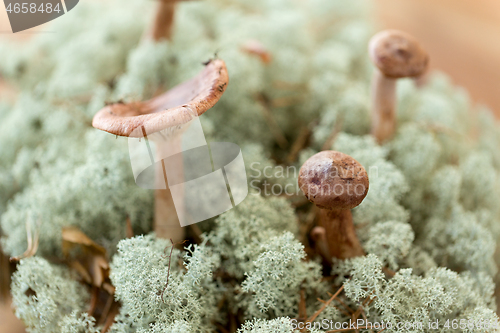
[317,313]
[368,300]
[302,307]
[345,305]
[344,312]
[169,256]
[366,319]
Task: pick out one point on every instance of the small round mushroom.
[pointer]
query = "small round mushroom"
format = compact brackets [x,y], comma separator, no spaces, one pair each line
[169,115]
[395,54]
[335,183]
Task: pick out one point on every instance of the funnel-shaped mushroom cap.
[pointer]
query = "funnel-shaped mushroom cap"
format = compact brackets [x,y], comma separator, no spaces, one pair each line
[397,54]
[333,180]
[174,108]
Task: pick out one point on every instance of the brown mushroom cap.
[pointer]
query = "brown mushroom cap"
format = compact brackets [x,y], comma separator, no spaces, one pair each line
[333,180]
[175,107]
[397,54]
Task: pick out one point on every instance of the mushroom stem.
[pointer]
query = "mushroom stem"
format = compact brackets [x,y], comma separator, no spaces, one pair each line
[340,233]
[383,106]
[166,223]
[395,54]
[166,218]
[163,21]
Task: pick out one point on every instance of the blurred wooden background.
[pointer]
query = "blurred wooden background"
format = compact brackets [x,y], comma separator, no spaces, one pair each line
[462,37]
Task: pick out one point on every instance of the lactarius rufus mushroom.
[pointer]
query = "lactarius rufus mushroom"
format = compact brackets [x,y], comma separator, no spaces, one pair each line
[335,183]
[163,22]
[165,117]
[395,54]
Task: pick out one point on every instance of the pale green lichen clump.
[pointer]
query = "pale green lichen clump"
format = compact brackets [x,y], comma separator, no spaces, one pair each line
[46,297]
[438,295]
[139,272]
[429,224]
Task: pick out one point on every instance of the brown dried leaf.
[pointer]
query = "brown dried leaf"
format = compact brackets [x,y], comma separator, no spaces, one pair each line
[72,237]
[90,262]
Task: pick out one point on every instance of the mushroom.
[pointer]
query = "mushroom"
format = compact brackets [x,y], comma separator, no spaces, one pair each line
[335,183]
[163,22]
[395,54]
[162,120]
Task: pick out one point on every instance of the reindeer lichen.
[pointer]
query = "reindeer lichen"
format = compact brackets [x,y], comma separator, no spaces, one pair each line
[428,225]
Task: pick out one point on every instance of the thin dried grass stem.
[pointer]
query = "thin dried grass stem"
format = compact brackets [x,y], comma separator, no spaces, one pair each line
[33,239]
[317,313]
[169,256]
